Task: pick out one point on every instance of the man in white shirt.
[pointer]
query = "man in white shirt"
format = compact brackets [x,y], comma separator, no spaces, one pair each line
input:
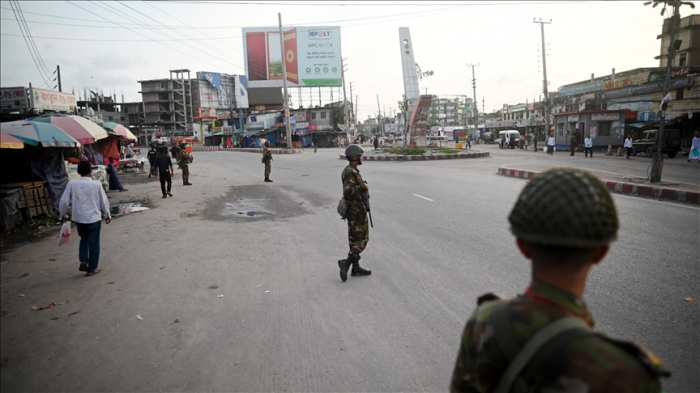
[87,198]
[551,142]
[628,145]
[588,146]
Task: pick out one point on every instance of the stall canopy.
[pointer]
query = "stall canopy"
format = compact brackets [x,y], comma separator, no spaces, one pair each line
[119,129]
[8,141]
[35,133]
[77,127]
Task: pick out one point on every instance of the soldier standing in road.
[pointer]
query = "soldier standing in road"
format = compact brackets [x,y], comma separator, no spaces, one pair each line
[314,140]
[266,158]
[183,160]
[551,318]
[355,192]
[572,145]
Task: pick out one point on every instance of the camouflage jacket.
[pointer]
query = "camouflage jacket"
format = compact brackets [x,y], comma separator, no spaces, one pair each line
[267,156]
[594,363]
[353,188]
[183,158]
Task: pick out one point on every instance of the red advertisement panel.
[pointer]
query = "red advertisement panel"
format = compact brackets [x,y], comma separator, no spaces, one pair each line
[257,59]
[290,55]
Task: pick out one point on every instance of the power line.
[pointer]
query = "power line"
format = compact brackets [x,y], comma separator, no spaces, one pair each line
[29,47]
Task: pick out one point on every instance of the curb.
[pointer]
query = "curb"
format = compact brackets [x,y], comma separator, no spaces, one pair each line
[247,150]
[423,158]
[625,188]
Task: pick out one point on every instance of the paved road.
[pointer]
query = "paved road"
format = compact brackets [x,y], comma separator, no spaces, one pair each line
[440,239]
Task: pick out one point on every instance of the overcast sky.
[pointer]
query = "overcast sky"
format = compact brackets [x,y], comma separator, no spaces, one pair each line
[111,45]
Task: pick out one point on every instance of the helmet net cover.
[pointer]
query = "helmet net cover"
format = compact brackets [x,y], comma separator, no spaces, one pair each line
[354,150]
[565,207]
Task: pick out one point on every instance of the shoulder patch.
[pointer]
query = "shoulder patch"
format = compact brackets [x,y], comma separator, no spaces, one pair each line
[489,297]
[648,359]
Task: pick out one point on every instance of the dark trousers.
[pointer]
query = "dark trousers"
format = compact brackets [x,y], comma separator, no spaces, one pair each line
[165,177]
[550,149]
[89,251]
[588,150]
[629,152]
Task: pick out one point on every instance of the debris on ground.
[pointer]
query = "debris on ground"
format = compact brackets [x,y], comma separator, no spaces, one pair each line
[51,305]
[140,318]
[689,299]
[268,291]
[220,296]
[213,287]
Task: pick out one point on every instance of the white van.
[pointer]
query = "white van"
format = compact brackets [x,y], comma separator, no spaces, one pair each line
[511,135]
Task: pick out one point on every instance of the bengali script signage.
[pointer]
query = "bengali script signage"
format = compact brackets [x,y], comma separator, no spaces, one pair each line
[629,80]
[14,98]
[52,100]
[608,116]
[580,89]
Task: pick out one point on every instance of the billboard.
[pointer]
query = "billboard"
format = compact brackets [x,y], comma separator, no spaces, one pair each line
[14,98]
[312,56]
[52,100]
[222,91]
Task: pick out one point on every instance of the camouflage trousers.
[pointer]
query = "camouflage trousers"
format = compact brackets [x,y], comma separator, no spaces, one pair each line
[268,168]
[358,232]
[185,172]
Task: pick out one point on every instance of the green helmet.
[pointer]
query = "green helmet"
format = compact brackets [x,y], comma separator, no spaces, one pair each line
[267,143]
[354,150]
[182,145]
[565,207]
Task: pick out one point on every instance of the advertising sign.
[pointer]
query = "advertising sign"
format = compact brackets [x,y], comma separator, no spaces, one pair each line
[629,80]
[52,100]
[214,78]
[614,116]
[579,89]
[222,91]
[13,98]
[311,54]
[594,132]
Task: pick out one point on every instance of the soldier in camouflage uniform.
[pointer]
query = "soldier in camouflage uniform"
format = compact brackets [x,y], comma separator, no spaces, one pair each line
[564,222]
[266,158]
[183,160]
[354,190]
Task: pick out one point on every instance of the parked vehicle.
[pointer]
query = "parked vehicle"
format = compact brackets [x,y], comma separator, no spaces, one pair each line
[671,144]
[514,136]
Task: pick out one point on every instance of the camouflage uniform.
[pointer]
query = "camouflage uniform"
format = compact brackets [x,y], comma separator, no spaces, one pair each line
[183,160]
[266,158]
[358,225]
[594,363]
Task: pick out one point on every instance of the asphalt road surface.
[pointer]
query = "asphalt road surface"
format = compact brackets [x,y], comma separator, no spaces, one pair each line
[286,322]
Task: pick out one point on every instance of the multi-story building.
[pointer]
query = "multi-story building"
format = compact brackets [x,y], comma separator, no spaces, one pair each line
[168,103]
[688,52]
[446,111]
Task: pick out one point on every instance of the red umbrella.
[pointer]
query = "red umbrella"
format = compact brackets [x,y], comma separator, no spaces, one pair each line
[69,126]
[119,129]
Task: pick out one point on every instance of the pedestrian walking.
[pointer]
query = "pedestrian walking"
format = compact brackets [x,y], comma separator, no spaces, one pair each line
[694,153]
[314,140]
[266,158]
[628,146]
[183,161]
[88,201]
[355,193]
[114,183]
[376,143]
[152,154]
[572,144]
[165,170]
[534,138]
[588,146]
[174,151]
[550,320]
[551,143]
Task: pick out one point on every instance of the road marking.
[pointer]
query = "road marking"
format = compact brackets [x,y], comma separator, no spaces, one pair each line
[677,204]
[427,199]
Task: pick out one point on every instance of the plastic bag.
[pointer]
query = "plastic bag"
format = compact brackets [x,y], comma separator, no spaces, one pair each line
[64,236]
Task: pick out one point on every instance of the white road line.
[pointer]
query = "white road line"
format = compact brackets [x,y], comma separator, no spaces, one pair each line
[677,204]
[427,199]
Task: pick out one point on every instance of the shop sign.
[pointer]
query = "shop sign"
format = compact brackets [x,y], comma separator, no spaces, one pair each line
[615,116]
[630,80]
[52,100]
[312,127]
[302,125]
[594,132]
[630,115]
[580,89]
[573,118]
[680,72]
[280,125]
[634,90]
[13,98]
[683,82]
[227,129]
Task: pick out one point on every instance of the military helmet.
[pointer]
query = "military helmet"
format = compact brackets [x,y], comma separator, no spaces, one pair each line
[354,150]
[565,207]
[182,145]
[267,143]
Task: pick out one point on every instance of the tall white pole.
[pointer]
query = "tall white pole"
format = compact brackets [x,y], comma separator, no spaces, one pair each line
[284,82]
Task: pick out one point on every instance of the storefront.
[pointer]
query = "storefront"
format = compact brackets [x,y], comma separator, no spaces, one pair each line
[604,127]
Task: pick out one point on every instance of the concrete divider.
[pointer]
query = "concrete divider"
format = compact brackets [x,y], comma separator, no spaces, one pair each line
[398,157]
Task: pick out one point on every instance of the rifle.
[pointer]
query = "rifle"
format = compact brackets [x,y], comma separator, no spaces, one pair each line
[365,198]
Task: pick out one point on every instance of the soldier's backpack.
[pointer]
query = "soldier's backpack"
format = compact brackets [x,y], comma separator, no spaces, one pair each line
[343,208]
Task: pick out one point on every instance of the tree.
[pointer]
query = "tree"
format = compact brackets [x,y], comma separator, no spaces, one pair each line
[422,74]
[337,117]
[403,109]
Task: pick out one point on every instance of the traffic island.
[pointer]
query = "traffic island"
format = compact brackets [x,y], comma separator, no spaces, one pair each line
[423,156]
[622,184]
[247,149]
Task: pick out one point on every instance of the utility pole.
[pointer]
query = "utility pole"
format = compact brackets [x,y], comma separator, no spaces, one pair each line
[476,102]
[544,72]
[381,121]
[345,102]
[657,160]
[58,72]
[352,112]
[284,83]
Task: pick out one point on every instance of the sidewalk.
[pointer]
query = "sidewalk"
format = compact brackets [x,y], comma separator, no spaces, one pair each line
[619,183]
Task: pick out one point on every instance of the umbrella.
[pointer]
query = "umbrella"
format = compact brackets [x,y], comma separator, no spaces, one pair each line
[8,141]
[34,133]
[119,129]
[70,126]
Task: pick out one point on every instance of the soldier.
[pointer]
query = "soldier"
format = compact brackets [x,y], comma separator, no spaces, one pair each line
[183,160]
[266,158]
[354,192]
[562,248]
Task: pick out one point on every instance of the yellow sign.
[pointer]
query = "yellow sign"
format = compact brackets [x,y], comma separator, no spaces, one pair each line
[630,80]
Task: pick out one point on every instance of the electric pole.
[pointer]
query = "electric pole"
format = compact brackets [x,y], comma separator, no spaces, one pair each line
[544,72]
[345,103]
[284,83]
[352,112]
[476,102]
[381,120]
[58,73]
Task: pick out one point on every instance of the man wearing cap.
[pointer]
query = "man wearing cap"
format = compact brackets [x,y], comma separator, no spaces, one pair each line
[543,340]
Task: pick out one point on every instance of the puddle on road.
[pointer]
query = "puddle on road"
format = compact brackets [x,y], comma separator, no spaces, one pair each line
[255,203]
[121,209]
[246,208]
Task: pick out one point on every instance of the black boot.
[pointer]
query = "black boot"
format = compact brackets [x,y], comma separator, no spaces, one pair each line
[357,270]
[344,265]
[267,180]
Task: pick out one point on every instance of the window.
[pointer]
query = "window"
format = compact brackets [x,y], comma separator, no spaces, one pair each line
[162,85]
[313,115]
[682,60]
[679,94]
[561,130]
[323,115]
[604,128]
